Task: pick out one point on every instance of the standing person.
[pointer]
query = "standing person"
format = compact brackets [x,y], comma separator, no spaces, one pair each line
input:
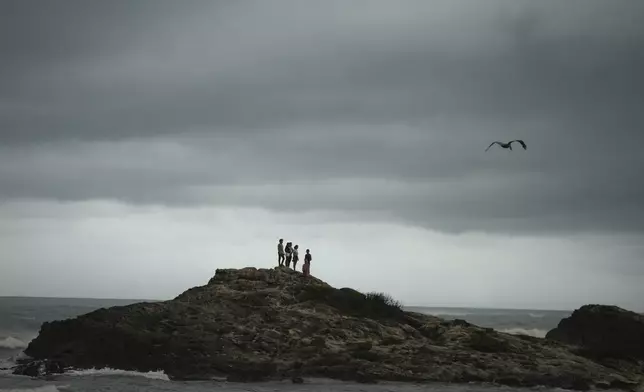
[306,268]
[280,253]
[296,257]
[289,253]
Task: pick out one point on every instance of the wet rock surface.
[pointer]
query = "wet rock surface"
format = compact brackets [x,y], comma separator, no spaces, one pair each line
[273,324]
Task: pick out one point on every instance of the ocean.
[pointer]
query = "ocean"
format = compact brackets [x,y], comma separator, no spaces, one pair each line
[20,320]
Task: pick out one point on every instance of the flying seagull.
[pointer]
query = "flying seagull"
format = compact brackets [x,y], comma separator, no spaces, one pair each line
[507,145]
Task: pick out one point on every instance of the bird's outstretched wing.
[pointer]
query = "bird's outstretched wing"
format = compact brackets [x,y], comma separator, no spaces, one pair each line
[520,142]
[491,144]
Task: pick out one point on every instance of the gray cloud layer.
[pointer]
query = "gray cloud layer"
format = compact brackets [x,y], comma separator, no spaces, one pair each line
[376,108]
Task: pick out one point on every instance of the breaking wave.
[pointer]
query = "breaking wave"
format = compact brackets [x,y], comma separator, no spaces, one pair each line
[158,375]
[12,343]
[536,332]
[44,388]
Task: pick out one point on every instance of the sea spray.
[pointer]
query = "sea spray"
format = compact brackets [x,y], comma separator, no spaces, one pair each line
[44,388]
[158,375]
[12,343]
[536,332]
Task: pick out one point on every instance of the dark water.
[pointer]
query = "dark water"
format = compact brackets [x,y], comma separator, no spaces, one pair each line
[20,320]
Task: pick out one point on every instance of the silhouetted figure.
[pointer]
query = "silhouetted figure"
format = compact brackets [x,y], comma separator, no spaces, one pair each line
[296,256]
[508,144]
[306,268]
[289,253]
[280,253]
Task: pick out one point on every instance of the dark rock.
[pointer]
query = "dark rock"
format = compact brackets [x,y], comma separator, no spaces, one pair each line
[391,340]
[318,342]
[580,385]
[511,381]
[487,342]
[38,368]
[433,331]
[297,380]
[603,331]
[360,346]
[623,384]
[252,325]
[460,322]
[364,378]
[366,355]
[330,359]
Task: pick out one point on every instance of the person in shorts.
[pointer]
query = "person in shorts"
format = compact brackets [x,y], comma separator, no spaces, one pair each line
[289,254]
[280,252]
[296,256]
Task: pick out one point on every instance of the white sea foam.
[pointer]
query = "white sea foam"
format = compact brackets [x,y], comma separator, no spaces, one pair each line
[433,312]
[12,343]
[6,364]
[158,375]
[536,315]
[20,355]
[536,332]
[44,388]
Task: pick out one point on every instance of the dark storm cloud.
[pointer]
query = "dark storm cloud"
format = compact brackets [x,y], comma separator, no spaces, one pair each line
[205,101]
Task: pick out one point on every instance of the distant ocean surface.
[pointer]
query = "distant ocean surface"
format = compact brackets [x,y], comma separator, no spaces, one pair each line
[20,320]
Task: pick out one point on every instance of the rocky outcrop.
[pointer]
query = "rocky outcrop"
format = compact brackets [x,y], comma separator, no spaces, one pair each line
[37,368]
[263,324]
[603,332]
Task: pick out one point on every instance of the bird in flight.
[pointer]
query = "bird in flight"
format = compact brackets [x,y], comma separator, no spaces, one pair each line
[507,145]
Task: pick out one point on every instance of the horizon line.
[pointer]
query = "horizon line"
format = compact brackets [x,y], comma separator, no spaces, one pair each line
[404,306]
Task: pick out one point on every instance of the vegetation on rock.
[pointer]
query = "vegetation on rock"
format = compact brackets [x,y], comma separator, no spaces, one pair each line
[350,302]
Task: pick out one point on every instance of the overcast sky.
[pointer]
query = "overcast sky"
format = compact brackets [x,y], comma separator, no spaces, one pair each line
[145,144]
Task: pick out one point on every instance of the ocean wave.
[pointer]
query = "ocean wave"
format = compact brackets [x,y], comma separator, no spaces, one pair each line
[536,315]
[44,388]
[12,343]
[158,375]
[6,365]
[442,313]
[28,318]
[536,332]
